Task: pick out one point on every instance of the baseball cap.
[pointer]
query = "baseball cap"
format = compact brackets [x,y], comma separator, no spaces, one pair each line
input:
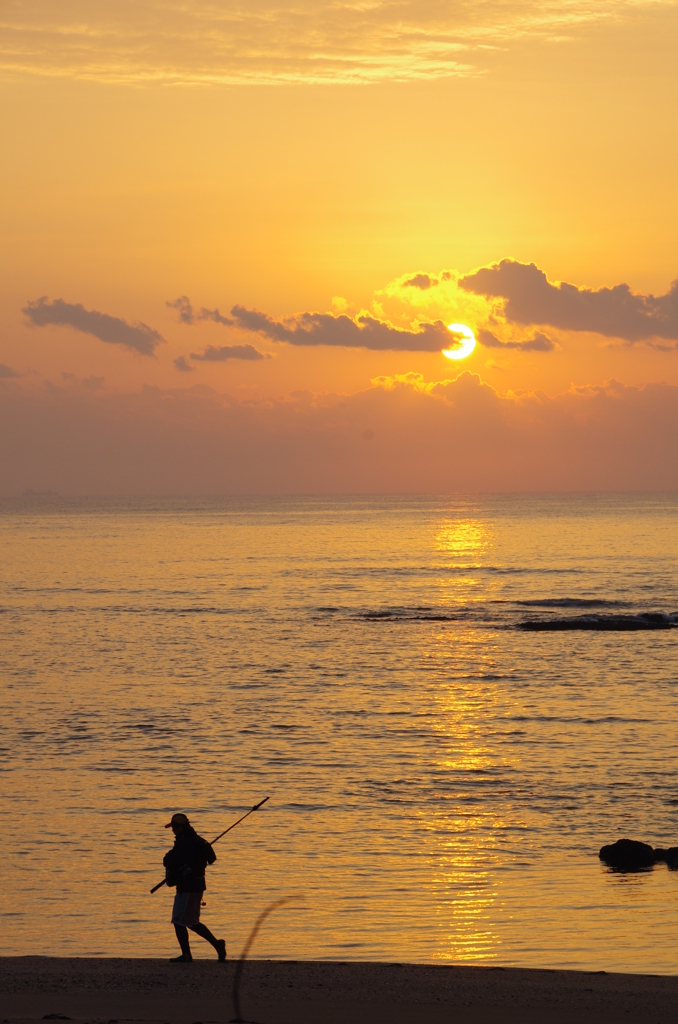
[178,819]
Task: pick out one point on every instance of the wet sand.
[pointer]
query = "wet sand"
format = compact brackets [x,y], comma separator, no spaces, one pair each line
[111,991]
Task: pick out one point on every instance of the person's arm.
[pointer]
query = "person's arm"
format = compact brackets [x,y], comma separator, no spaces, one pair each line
[170,869]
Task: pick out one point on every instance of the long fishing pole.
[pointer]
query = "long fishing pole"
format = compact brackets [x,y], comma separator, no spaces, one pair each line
[255,808]
[220,836]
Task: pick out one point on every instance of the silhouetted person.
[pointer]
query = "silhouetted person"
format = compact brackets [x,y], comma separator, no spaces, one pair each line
[185,867]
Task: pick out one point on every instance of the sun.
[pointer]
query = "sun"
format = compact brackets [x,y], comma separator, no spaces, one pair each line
[464,339]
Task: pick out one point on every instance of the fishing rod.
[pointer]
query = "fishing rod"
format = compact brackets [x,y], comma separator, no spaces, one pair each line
[220,836]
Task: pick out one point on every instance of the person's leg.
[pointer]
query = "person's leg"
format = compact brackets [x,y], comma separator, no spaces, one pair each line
[202,930]
[178,912]
[182,937]
[219,944]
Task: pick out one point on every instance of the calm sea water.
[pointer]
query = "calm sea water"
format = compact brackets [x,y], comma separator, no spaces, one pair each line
[442,763]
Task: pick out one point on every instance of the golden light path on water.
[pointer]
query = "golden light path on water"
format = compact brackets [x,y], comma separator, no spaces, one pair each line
[462,880]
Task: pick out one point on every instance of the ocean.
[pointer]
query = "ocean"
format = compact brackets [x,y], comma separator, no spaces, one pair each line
[451,703]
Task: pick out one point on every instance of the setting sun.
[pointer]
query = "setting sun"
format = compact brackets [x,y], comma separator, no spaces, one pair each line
[464,340]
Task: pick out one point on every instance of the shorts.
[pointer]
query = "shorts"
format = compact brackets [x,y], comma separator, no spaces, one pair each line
[186,909]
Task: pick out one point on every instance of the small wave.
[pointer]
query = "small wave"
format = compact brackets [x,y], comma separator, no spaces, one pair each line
[208,610]
[577,720]
[602,623]
[128,609]
[571,602]
[416,614]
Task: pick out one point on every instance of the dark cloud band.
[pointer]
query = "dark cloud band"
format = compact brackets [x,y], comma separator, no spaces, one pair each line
[139,337]
[399,437]
[343,331]
[309,329]
[530,298]
[539,343]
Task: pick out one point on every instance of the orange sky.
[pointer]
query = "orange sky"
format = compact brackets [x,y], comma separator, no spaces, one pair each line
[312,159]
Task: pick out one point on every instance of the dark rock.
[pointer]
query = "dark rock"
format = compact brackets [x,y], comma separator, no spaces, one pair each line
[668,857]
[628,855]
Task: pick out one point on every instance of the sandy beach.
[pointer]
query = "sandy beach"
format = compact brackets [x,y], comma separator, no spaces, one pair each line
[117,991]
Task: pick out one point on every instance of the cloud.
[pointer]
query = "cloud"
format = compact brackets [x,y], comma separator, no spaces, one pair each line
[421,281]
[188,315]
[219,354]
[215,316]
[309,329]
[412,379]
[184,309]
[425,437]
[539,343]
[111,329]
[505,292]
[183,365]
[90,383]
[363,331]
[528,297]
[267,41]
[6,372]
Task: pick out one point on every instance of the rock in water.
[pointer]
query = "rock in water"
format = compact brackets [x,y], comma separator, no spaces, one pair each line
[628,855]
[669,857]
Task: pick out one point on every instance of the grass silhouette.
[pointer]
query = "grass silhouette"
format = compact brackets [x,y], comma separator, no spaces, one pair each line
[238,1019]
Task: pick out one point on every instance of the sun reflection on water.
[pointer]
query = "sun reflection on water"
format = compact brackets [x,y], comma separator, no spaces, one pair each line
[465,540]
[464,544]
[465,909]
[463,836]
